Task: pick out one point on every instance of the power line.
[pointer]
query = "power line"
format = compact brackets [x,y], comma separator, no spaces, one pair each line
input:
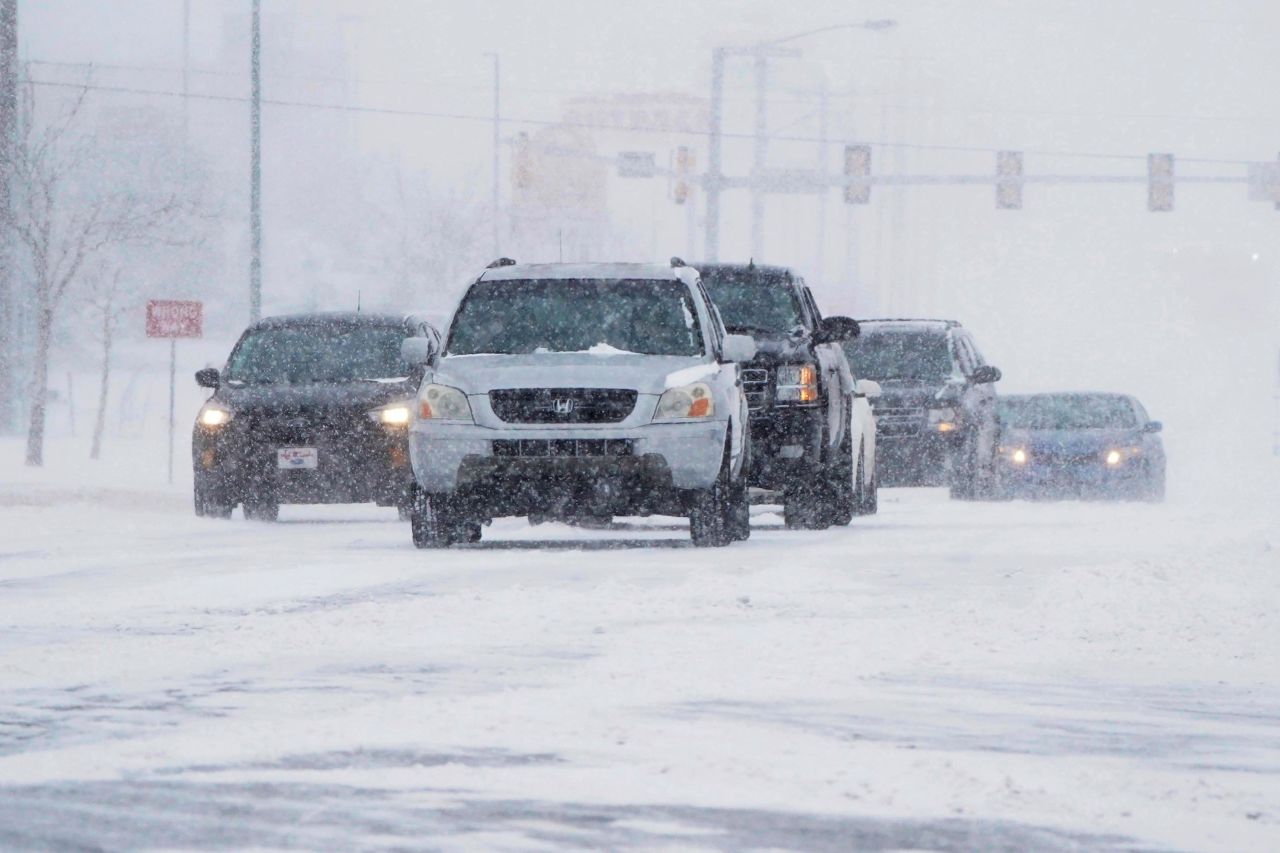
[409,113]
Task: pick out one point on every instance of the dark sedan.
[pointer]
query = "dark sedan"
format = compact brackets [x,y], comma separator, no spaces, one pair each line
[1079,445]
[311,408]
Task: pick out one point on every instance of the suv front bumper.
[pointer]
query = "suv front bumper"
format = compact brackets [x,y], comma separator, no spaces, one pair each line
[450,456]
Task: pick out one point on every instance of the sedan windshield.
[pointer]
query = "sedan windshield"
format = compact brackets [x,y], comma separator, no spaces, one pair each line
[1067,411]
[899,355]
[752,304]
[317,353]
[602,316]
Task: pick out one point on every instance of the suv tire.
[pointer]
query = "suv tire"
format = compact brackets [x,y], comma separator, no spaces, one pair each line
[842,486]
[970,479]
[431,521]
[210,501]
[805,508]
[715,512]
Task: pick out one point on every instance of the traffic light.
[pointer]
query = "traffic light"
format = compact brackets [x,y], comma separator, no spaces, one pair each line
[857,164]
[1159,182]
[684,166]
[1009,180]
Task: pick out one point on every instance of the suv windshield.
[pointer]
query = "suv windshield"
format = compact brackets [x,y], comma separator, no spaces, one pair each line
[1067,411]
[652,317]
[317,353]
[899,354]
[752,303]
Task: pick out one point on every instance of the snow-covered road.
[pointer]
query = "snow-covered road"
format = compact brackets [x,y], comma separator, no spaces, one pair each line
[941,676]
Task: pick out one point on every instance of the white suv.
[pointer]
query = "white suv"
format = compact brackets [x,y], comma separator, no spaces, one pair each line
[581,391]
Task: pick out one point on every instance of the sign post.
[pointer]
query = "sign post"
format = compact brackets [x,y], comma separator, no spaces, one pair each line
[173,319]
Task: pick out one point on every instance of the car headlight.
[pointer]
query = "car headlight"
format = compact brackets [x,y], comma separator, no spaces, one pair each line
[213,416]
[797,383]
[442,403]
[943,419]
[1117,455]
[1015,455]
[687,401]
[395,414]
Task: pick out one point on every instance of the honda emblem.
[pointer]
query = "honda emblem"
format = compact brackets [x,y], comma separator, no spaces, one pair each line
[563,405]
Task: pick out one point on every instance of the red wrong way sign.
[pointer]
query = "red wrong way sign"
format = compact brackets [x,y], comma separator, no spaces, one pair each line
[174,318]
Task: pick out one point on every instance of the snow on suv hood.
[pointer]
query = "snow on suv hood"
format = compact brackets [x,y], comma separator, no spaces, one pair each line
[646,374]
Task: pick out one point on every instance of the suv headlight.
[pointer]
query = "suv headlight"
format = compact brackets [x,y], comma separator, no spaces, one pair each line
[687,401]
[442,403]
[797,383]
[943,419]
[1119,455]
[213,416]
[395,414]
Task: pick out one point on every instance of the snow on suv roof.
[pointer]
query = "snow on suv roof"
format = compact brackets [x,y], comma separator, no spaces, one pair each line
[662,272]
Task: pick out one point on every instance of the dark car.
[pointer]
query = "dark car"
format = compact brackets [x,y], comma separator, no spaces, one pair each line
[311,408]
[936,412]
[812,434]
[1079,445]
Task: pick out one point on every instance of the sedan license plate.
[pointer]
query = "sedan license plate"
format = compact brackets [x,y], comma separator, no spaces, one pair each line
[294,458]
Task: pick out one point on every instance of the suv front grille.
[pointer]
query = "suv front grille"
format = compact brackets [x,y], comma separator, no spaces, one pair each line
[757,384]
[561,448]
[899,421]
[562,405]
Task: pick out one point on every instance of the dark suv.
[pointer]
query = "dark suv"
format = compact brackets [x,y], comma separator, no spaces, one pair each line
[800,394]
[936,415]
[311,408]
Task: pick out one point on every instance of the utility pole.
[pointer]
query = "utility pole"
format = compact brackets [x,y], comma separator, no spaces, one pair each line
[8,269]
[186,70]
[255,166]
[714,167]
[759,155]
[497,142]
[823,96]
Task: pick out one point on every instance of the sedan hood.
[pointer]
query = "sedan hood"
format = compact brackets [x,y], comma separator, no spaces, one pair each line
[318,396]
[646,374]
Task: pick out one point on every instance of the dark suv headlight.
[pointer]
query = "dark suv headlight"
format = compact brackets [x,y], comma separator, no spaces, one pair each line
[797,383]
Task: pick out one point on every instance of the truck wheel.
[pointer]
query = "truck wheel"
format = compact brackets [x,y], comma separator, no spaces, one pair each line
[806,508]
[431,522]
[867,498]
[844,483]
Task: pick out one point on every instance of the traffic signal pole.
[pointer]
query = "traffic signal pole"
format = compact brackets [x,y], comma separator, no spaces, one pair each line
[255,166]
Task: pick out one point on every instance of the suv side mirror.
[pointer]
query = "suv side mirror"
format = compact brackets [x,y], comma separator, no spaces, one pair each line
[868,388]
[836,330]
[739,348]
[416,352]
[1153,426]
[986,374]
[208,378]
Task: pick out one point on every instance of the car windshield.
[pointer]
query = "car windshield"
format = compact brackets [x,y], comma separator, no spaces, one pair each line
[752,303]
[1067,411]
[899,354]
[300,355]
[602,316]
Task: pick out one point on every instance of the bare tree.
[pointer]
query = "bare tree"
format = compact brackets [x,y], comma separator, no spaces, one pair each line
[67,209]
[110,301]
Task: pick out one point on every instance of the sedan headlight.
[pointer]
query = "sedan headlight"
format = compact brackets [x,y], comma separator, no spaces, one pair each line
[442,403]
[395,414]
[213,416]
[797,383]
[687,401]
[1116,456]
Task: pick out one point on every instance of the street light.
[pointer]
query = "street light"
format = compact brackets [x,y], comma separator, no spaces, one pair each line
[714,178]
